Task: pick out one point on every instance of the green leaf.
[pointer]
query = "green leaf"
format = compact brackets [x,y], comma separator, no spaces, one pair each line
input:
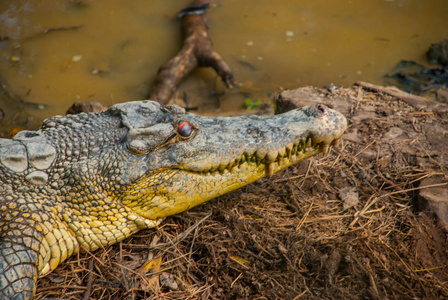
[251,103]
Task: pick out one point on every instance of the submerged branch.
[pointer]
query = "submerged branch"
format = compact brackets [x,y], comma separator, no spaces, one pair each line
[196,52]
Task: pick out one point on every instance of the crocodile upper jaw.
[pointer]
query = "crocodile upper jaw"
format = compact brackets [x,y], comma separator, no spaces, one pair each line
[223,155]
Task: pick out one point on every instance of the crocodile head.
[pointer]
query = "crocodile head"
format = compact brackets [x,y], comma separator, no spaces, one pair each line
[176,160]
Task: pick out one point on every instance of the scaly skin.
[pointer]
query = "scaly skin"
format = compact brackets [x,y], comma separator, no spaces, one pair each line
[90,180]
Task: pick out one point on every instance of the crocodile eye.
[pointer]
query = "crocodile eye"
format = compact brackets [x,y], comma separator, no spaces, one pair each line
[184,129]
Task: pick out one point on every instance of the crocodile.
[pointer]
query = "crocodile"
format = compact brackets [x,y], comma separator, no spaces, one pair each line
[87,181]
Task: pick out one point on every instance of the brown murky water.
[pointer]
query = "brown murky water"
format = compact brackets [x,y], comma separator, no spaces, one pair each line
[110,50]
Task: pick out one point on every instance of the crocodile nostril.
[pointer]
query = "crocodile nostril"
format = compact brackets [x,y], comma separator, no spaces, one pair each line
[321,108]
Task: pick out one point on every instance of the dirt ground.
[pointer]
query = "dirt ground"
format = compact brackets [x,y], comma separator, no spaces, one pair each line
[354,224]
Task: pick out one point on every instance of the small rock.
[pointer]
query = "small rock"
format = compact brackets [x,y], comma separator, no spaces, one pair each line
[368,155]
[305,96]
[438,53]
[282,249]
[393,133]
[363,115]
[350,197]
[167,280]
[442,94]
[434,199]
[363,175]
[77,58]
[353,136]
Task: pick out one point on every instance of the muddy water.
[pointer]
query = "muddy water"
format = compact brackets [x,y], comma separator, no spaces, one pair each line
[56,52]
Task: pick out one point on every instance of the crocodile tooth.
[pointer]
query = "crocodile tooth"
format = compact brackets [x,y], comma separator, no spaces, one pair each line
[215,167]
[261,153]
[293,158]
[324,148]
[271,169]
[243,159]
[281,152]
[222,167]
[272,156]
[308,143]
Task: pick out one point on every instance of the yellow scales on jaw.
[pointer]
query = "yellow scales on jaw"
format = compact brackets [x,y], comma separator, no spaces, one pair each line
[86,181]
